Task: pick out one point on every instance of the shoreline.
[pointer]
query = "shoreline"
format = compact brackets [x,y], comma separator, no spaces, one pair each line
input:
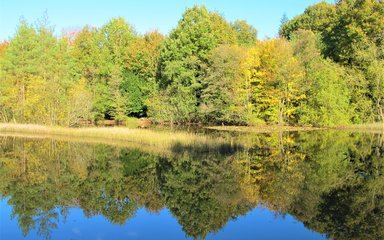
[122,133]
[264,128]
[150,139]
[374,128]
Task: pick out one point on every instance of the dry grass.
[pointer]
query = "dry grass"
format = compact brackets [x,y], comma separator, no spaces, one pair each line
[147,138]
[371,127]
[262,128]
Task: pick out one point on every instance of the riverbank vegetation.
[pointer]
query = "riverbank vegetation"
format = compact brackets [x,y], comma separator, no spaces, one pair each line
[373,127]
[159,142]
[325,69]
[262,128]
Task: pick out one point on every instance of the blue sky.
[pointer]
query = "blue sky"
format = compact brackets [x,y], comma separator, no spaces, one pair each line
[145,15]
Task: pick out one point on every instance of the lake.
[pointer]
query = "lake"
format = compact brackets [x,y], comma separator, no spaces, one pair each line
[284,185]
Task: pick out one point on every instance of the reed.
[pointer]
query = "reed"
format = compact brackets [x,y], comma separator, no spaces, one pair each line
[140,137]
[371,127]
[377,127]
[262,128]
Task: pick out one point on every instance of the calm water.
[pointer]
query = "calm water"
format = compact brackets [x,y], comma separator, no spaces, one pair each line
[313,185]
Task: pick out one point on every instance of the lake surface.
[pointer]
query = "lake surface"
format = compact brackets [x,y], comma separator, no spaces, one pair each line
[291,185]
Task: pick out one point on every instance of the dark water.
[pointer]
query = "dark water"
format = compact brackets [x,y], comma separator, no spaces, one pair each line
[313,185]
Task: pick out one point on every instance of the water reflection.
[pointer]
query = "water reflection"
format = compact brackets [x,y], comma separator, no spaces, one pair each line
[330,181]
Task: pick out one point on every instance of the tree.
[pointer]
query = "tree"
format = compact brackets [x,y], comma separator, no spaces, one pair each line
[246,34]
[359,22]
[176,104]
[3,46]
[35,75]
[348,28]
[4,112]
[117,109]
[185,56]
[132,88]
[116,36]
[325,85]
[345,26]
[88,57]
[318,18]
[102,57]
[19,63]
[143,68]
[80,100]
[275,80]
[222,96]
[372,63]
[53,68]
[326,69]
[143,58]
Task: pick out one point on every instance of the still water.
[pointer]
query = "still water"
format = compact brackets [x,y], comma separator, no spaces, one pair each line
[291,185]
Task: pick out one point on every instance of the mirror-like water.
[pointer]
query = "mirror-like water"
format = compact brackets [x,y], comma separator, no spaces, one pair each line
[309,185]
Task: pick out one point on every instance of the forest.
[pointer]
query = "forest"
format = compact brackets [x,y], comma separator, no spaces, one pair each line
[325,68]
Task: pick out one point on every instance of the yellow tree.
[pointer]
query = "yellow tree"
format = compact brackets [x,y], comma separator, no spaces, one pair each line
[79,103]
[37,103]
[275,78]
[3,96]
[143,57]
[249,70]
[18,64]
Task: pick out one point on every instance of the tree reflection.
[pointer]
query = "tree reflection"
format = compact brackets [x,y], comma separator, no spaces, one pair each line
[333,182]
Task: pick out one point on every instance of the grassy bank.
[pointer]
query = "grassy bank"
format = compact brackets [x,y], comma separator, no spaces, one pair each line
[374,127]
[371,127]
[158,141]
[262,128]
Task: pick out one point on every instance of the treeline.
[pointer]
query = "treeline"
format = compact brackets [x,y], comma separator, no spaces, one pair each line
[326,68]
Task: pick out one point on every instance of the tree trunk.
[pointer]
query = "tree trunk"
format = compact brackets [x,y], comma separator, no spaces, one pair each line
[381,112]
[281,111]
[22,102]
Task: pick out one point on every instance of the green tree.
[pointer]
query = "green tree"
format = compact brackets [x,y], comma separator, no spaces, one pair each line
[144,55]
[325,85]
[372,64]
[358,23]
[318,18]
[222,97]
[143,63]
[345,27]
[117,36]
[176,104]
[132,88]
[185,57]
[102,56]
[246,34]
[54,72]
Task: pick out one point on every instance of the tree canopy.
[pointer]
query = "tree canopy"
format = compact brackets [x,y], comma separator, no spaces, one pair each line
[325,68]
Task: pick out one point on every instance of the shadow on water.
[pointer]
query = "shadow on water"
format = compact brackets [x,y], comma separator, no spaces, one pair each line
[331,181]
